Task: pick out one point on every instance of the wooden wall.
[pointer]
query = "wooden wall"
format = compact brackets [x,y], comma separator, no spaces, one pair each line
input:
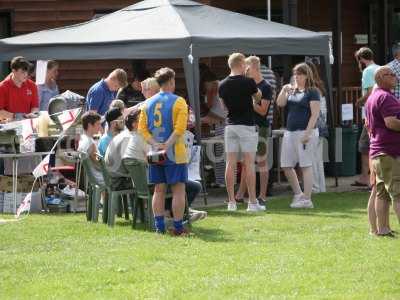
[316,15]
[34,15]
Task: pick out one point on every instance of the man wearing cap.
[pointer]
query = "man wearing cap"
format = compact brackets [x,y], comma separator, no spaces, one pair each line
[115,122]
[395,66]
[104,91]
[18,94]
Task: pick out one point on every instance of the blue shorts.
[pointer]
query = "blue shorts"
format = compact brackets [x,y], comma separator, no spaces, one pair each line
[169,174]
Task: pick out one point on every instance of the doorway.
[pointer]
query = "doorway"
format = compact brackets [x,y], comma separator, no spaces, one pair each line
[5,31]
[394,24]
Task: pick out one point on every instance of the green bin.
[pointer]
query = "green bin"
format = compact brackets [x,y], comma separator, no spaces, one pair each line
[348,166]
[349,151]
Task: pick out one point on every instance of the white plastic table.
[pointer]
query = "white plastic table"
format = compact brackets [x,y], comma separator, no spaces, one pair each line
[15,157]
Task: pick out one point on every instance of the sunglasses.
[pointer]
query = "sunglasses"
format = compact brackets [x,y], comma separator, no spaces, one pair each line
[390,74]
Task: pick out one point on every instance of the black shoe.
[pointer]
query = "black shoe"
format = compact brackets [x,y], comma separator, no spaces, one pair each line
[389,234]
[261,201]
[241,200]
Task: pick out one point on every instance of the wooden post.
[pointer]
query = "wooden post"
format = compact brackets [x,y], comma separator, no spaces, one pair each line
[289,9]
[385,19]
[337,53]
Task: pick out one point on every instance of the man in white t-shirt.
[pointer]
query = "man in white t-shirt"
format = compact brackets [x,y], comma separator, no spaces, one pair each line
[116,150]
[91,123]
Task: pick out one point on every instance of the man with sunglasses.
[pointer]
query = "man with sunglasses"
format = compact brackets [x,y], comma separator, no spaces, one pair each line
[383,123]
[115,122]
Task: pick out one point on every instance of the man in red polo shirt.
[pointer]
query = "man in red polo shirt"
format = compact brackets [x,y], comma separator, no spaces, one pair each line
[18,94]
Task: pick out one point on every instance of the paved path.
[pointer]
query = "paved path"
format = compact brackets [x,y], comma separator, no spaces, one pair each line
[217,196]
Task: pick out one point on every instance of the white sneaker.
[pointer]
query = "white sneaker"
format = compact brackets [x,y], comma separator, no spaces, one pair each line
[296,198]
[254,207]
[196,215]
[305,203]
[232,206]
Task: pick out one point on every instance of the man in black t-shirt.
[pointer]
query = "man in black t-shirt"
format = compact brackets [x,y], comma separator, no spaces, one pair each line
[260,118]
[132,93]
[240,96]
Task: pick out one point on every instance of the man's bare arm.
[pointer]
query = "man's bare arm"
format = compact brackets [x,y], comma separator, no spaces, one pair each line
[257,97]
[262,107]
[6,115]
[392,123]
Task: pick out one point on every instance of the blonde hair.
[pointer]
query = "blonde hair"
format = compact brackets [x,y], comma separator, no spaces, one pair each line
[253,61]
[235,59]
[304,69]
[117,103]
[120,76]
[150,84]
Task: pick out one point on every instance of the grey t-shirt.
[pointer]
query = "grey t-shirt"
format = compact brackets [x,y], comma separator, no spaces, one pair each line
[137,147]
[85,144]
[115,152]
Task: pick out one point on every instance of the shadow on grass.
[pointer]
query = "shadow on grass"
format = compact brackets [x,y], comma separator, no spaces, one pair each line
[299,212]
[210,234]
[240,213]
[332,205]
[313,213]
[124,223]
[205,234]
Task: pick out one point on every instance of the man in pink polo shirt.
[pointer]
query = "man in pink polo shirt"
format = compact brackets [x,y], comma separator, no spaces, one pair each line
[18,94]
[382,116]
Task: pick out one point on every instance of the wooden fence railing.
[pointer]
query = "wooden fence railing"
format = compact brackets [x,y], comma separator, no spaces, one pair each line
[349,95]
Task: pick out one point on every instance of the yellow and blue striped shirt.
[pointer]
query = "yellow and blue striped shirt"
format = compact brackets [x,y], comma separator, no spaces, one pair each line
[164,114]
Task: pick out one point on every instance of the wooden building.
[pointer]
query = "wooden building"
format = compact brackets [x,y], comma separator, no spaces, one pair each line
[363,22]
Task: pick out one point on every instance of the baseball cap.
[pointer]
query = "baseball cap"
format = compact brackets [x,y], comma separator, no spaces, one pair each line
[112,115]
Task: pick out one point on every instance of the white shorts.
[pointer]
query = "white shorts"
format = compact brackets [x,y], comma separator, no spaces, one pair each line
[294,152]
[241,138]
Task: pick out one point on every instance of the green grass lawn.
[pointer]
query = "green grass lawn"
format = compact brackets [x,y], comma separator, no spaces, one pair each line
[324,253]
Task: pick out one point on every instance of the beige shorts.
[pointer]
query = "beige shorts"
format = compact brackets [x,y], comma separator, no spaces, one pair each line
[387,177]
[241,138]
[294,152]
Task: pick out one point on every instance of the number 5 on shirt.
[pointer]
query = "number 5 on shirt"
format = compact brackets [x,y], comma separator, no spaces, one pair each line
[157,115]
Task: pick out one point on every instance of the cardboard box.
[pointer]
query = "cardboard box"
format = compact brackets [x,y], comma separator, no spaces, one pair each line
[9,202]
[6,184]
[8,205]
[25,183]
